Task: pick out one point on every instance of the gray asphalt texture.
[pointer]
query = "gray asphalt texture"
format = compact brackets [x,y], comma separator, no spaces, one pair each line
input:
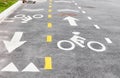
[77,63]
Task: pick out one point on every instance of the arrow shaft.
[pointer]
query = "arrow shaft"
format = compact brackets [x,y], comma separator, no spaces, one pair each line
[17,36]
[72,22]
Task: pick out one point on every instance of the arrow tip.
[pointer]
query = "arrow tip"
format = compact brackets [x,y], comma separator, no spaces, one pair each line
[11,46]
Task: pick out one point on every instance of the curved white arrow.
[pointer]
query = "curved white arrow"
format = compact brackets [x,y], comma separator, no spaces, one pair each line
[71,20]
[15,42]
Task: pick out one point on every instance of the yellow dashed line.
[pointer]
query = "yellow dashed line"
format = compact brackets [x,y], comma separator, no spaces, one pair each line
[49,25]
[50,6]
[49,16]
[49,38]
[50,3]
[48,63]
[50,0]
[49,10]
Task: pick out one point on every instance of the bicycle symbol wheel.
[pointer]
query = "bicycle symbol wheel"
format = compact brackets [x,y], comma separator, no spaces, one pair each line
[20,16]
[38,16]
[66,41]
[103,48]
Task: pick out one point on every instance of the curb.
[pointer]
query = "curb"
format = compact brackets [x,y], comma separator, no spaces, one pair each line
[10,10]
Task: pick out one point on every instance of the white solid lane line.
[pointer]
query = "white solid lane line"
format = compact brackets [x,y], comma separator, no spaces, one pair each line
[96,26]
[108,40]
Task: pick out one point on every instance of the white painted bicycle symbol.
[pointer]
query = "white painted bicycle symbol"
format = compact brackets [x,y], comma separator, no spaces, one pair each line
[80,41]
[25,18]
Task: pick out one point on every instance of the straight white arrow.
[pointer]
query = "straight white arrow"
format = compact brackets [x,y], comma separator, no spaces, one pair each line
[15,42]
[71,20]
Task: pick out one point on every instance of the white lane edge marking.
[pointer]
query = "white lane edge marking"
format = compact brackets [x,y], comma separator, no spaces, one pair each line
[108,40]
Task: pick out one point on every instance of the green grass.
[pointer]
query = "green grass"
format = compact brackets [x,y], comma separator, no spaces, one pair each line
[4,5]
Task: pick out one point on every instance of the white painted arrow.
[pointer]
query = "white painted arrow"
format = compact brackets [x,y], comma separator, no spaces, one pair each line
[15,42]
[71,20]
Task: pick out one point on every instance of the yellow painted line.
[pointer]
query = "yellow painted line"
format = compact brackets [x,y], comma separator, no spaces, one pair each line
[49,38]
[50,6]
[49,10]
[50,3]
[49,16]
[48,63]
[49,25]
[50,0]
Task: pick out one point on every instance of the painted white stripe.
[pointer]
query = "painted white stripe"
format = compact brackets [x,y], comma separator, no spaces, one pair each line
[4,37]
[8,21]
[10,18]
[32,10]
[83,12]
[70,10]
[96,26]
[79,7]
[63,1]
[3,31]
[89,18]
[76,4]
[108,40]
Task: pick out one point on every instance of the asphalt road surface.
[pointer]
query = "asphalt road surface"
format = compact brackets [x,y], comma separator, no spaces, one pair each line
[62,39]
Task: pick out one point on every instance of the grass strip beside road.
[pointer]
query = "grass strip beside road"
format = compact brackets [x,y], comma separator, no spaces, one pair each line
[4,4]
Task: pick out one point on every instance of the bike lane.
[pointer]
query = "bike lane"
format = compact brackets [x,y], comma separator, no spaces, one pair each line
[87,57]
[27,30]
[43,35]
